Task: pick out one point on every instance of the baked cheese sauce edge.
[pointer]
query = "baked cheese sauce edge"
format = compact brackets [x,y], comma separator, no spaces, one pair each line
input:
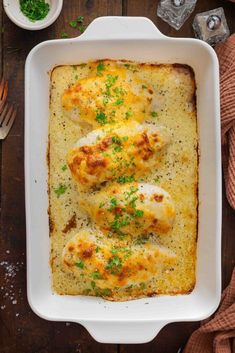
[174,102]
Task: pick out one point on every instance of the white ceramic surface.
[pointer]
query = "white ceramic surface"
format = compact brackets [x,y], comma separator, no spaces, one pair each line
[137,321]
[12,9]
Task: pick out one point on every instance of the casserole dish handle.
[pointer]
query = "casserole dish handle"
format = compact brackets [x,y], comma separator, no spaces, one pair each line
[114,27]
[123,331]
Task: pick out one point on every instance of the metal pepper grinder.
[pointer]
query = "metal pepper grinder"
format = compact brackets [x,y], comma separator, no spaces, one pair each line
[175,12]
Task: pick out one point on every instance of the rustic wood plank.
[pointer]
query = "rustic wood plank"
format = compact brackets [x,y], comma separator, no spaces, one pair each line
[20,329]
[1,51]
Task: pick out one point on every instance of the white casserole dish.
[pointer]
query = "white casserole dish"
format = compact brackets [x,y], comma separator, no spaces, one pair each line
[137,39]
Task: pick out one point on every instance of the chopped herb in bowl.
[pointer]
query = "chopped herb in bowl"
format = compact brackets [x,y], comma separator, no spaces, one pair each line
[34,10]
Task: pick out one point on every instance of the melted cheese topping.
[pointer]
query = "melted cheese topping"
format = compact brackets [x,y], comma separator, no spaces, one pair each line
[112,96]
[172,111]
[89,255]
[108,153]
[133,209]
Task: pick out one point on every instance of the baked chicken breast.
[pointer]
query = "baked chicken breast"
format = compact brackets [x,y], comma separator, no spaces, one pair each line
[133,208]
[106,267]
[109,153]
[111,96]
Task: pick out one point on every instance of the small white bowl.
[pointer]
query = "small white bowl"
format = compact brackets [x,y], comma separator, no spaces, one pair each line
[12,8]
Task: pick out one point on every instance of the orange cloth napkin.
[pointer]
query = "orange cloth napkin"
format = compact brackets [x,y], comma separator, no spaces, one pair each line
[217,334]
[226,55]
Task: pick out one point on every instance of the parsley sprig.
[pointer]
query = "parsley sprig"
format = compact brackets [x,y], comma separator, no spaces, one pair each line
[60,190]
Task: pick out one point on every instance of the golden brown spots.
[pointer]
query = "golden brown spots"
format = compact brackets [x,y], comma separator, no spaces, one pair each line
[117,210]
[75,101]
[86,149]
[147,153]
[105,143]
[72,223]
[143,140]
[71,248]
[140,267]
[76,161]
[155,137]
[158,198]
[51,224]
[96,161]
[141,197]
[87,253]
[77,88]
[67,263]
[100,213]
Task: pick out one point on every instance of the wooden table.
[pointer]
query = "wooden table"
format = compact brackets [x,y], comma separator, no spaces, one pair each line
[21,331]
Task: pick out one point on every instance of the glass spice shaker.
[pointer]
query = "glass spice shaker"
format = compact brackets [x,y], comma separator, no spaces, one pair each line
[175,12]
[211,26]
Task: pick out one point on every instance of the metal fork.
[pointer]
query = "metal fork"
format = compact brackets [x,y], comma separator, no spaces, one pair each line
[3,93]
[7,112]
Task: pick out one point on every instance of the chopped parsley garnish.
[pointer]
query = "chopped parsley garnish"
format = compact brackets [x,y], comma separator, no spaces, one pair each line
[100,68]
[81,28]
[119,222]
[133,201]
[157,179]
[125,138]
[80,264]
[118,148]
[80,19]
[116,139]
[154,114]
[96,275]
[93,284]
[119,91]
[119,102]
[34,10]
[101,204]
[60,190]
[138,213]
[128,114]
[111,80]
[73,24]
[106,292]
[114,264]
[132,191]
[144,87]
[97,249]
[101,118]
[113,204]
[117,142]
[142,285]
[142,239]
[64,35]
[64,167]
[125,179]
[76,77]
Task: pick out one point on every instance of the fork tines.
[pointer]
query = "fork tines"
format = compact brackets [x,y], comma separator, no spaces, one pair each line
[3,92]
[7,111]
